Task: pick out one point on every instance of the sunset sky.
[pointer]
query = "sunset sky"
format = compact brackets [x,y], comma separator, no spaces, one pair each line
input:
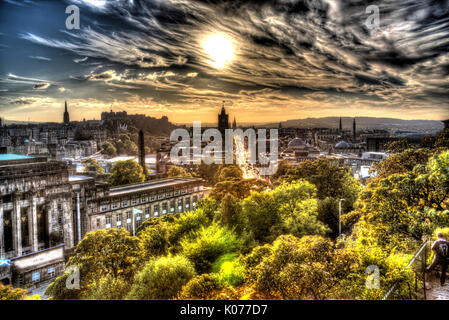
[268,60]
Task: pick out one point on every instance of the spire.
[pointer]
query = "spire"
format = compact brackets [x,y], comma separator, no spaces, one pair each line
[66,106]
[340,127]
[354,129]
[66,117]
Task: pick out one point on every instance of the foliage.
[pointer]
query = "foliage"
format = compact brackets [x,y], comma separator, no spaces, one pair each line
[162,278]
[91,164]
[126,172]
[109,149]
[442,140]
[398,146]
[108,288]
[177,171]
[295,268]
[102,253]
[7,292]
[229,270]
[291,208]
[199,287]
[204,246]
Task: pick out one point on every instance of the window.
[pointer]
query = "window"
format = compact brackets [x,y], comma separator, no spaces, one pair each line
[180,205]
[164,208]
[108,222]
[36,276]
[124,203]
[156,210]
[119,220]
[104,208]
[115,205]
[147,212]
[143,199]
[134,201]
[98,223]
[51,272]
[128,217]
[172,206]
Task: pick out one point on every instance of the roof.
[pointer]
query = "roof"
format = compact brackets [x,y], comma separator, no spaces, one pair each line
[150,185]
[79,178]
[11,156]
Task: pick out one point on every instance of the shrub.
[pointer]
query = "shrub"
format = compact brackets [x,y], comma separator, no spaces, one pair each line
[207,244]
[162,278]
[229,270]
[199,287]
[9,293]
[108,288]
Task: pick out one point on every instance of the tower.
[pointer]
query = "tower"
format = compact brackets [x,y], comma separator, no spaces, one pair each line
[340,128]
[234,124]
[223,120]
[66,115]
[142,153]
[354,129]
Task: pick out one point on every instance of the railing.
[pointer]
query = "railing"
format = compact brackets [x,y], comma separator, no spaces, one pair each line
[419,265]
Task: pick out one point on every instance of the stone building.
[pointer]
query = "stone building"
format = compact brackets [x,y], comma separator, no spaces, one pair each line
[35,217]
[129,206]
[45,213]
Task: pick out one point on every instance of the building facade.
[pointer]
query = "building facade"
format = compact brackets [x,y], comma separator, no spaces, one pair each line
[35,217]
[129,206]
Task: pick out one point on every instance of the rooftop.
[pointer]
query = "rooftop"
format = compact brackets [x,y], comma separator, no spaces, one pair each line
[11,156]
[150,185]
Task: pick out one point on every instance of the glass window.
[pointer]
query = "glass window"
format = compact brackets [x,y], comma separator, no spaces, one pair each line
[51,272]
[36,276]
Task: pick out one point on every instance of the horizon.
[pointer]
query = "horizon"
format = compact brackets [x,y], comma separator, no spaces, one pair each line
[184,59]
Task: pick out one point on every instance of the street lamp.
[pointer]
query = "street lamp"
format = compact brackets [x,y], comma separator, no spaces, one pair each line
[339,218]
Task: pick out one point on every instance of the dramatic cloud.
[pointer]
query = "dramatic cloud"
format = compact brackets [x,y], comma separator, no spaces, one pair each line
[290,58]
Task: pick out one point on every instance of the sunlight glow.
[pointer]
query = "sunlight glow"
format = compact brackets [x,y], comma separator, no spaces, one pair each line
[220,50]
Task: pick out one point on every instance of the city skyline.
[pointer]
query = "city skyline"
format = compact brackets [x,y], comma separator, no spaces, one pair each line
[269,61]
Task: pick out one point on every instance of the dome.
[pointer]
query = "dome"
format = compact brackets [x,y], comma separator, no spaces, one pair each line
[297,142]
[342,145]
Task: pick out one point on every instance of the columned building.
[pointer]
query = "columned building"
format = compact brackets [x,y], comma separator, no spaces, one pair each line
[35,217]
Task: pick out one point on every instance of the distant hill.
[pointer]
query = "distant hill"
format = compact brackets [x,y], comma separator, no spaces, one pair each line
[363,123]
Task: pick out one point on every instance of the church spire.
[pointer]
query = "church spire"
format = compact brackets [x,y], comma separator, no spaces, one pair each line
[340,128]
[66,114]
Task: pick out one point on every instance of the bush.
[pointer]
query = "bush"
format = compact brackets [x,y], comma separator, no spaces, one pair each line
[108,288]
[204,246]
[162,278]
[199,287]
[9,293]
[229,270]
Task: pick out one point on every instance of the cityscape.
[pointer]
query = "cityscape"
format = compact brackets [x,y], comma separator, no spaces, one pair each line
[135,138]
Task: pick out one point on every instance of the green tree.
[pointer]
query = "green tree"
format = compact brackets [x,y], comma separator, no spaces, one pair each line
[162,278]
[177,171]
[108,288]
[126,172]
[204,246]
[109,149]
[91,164]
[442,140]
[7,292]
[102,253]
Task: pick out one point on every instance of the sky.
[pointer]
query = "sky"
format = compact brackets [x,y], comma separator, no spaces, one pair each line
[267,61]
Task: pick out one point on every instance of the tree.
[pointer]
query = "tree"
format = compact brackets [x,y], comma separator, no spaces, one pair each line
[177,171]
[109,149]
[293,268]
[162,278]
[398,146]
[7,292]
[102,253]
[126,172]
[442,140]
[291,208]
[108,288]
[91,165]
[239,189]
[204,246]
[230,172]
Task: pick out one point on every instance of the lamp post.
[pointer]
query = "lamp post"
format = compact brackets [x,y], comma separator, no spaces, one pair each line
[339,218]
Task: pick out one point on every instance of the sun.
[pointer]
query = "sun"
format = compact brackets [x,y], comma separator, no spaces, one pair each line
[219,49]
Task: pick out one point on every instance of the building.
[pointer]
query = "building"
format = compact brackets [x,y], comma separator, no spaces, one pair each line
[45,213]
[36,226]
[66,115]
[129,206]
[223,120]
